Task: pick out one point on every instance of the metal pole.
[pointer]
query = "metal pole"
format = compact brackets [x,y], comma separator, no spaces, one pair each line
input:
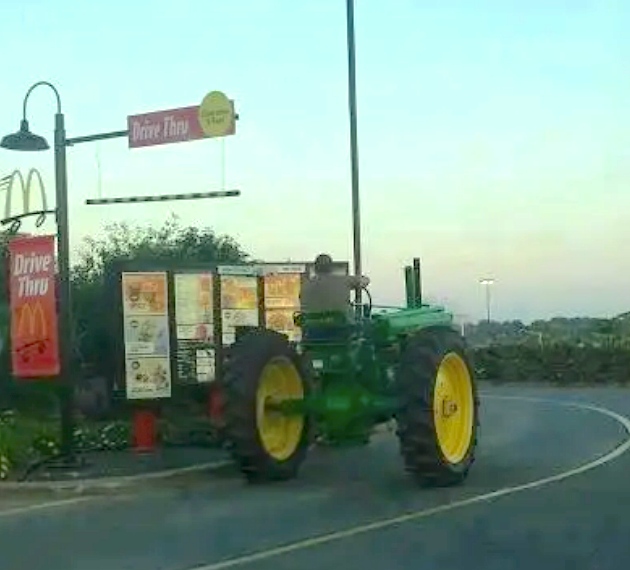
[65,307]
[354,148]
[488,301]
[410,288]
[99,182]
[418,283]
[222,163]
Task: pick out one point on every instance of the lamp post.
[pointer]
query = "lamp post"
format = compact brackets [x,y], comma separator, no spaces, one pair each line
[354,147]
[487,283]
[25,140]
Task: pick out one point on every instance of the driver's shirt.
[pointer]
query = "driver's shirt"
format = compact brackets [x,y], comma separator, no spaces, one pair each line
[328,292]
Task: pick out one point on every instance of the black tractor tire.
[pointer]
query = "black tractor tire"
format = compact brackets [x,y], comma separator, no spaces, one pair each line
[242,374]
[416,427]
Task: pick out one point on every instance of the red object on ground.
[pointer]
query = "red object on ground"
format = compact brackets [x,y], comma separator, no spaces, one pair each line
[144,436]
[215,405]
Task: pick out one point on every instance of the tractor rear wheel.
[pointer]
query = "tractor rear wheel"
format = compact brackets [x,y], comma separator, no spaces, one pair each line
[262,369]
[438,416]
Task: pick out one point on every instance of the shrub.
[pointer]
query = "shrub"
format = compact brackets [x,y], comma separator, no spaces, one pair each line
[561,364]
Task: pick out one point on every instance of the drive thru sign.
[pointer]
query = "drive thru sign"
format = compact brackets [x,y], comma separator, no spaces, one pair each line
[215,117]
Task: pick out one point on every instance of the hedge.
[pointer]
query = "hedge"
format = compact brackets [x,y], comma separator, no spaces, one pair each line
[560,364]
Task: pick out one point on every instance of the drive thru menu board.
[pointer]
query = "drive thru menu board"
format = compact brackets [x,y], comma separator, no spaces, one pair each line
[282,301]
[194,327]
[146,335]
[239,304]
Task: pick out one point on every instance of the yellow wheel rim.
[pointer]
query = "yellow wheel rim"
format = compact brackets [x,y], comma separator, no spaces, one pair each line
[453,407]
[279,434]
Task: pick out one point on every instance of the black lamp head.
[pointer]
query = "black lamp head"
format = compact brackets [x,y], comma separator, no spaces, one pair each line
[24,140]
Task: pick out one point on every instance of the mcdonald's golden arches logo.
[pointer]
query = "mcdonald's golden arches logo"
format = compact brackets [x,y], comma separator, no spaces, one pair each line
[30,316]
[8,183]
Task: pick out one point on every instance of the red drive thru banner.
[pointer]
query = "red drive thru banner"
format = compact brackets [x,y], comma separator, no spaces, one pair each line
[215,117]
[34,339]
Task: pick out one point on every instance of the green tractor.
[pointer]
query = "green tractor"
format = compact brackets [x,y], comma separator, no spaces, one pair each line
[409,365]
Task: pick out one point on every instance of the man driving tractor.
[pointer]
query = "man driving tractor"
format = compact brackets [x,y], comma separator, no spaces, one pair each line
[327,292]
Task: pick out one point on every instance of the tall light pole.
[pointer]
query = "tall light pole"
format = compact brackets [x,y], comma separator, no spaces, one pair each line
[354,147]
[487,283]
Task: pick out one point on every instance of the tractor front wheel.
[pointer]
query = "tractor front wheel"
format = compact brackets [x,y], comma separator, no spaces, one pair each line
[261,371]
[438,416]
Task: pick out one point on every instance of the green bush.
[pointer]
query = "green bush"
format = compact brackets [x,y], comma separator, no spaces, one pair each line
[24,440]
[559,364]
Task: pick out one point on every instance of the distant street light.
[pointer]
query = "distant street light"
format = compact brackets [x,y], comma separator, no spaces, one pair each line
[487,283]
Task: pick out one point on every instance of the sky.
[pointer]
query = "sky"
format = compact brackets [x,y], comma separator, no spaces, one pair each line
[494,135]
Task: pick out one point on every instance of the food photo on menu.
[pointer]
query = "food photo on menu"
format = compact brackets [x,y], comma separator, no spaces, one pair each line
[147,335]
[149,374]
[239,292]
[282,289]
[144,293]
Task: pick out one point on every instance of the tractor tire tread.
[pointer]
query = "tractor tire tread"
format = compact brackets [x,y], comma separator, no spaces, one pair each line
[416,431]
[246,360]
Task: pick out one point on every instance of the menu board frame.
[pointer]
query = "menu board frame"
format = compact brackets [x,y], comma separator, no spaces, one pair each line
[187,345]
[140,353]
[218,272]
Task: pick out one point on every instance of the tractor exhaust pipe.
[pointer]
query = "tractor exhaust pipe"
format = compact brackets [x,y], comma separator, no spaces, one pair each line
[409,287]
[413,285]
[417,283]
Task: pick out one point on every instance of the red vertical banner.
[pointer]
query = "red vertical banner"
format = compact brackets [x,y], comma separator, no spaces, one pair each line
[34,339]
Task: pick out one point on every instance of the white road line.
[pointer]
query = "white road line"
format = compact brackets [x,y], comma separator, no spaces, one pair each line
[109,483]
[416,515]
[47,505]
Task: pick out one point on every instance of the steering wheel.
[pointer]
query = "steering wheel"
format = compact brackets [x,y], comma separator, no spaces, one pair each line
[367,306]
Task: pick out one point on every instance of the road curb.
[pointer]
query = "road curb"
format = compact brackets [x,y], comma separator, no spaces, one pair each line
[79,486]
[112,483]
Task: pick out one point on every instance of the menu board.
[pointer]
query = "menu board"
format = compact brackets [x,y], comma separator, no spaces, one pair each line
[194,324]
[146,337]
[282,301]
[194,306]
[282,290]
[239,304]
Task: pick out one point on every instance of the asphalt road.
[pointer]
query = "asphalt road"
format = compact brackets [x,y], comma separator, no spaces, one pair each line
[357,510]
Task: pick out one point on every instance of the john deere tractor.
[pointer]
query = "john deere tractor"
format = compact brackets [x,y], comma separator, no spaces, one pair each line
[346,378]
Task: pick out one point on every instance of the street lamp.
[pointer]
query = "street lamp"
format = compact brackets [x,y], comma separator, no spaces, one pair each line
[25,140]
[487,283]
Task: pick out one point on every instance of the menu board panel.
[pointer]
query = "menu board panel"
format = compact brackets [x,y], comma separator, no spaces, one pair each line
[282,290]
[146,338]
[193,298]
[281,320]
[194,327]
[239,304]
[282,301]
[146,335]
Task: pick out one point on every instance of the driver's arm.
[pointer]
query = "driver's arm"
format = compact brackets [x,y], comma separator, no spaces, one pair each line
[358,282]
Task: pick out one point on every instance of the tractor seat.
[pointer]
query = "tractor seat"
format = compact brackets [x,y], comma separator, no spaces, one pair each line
[329,327]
